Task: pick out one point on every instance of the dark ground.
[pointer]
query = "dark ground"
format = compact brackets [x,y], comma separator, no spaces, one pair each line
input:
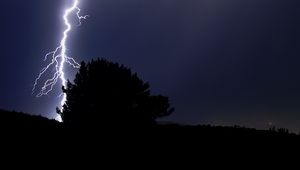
[16,121]
[39,139]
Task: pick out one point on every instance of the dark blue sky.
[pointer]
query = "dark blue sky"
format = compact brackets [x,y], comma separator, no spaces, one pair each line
[220,62]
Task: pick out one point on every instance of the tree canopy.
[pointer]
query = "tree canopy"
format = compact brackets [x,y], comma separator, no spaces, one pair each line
[109,94]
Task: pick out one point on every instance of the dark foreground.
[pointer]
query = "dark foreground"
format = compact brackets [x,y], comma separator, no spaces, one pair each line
[21,133]
[17,122]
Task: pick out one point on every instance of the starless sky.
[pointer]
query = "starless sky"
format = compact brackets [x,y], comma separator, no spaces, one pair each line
[220,62]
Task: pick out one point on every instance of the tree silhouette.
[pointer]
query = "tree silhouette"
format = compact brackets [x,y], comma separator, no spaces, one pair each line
[109,94]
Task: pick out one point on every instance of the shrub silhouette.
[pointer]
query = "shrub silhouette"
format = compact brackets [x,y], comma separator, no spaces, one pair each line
[109,94]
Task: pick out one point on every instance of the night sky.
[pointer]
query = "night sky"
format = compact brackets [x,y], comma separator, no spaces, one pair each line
[221,62]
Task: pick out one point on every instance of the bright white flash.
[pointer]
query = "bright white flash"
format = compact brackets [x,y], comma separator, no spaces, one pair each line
[59,57]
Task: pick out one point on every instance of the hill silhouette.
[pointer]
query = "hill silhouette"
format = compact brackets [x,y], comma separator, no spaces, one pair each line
[19,121]
[11,120]
[107,99]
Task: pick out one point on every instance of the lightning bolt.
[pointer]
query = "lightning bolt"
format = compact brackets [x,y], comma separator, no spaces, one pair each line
[59,57]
